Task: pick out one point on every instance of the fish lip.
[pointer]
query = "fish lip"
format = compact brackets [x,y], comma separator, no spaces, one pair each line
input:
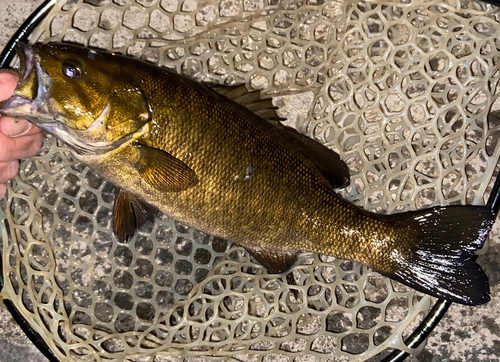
[19,106]
[26,58]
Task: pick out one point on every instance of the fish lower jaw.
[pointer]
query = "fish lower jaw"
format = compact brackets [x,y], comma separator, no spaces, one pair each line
[18,107]
[32,116]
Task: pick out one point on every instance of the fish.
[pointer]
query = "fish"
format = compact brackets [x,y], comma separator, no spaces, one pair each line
[215,158]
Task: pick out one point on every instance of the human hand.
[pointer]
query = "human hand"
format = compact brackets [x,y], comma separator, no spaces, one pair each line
[19,139]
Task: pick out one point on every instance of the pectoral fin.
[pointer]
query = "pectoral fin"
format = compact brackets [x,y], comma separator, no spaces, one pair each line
[275,261]
[163,171]
[129,214]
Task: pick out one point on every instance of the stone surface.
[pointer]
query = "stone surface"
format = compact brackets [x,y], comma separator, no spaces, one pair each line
[465,334]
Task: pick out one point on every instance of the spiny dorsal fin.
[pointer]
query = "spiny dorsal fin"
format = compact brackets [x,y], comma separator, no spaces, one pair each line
[129,214]
[250,100]
[163,171]
[275,261]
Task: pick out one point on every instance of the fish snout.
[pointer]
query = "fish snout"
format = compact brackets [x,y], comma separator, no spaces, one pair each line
[32,91]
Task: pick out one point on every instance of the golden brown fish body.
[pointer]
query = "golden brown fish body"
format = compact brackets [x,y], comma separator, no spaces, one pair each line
[213,164]
[254,187]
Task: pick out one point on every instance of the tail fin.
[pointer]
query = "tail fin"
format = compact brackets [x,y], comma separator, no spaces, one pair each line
[441,261]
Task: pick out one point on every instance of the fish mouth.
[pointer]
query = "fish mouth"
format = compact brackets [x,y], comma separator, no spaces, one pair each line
[32,91]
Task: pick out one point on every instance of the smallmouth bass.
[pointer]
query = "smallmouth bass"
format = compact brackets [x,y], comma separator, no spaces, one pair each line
[207,157]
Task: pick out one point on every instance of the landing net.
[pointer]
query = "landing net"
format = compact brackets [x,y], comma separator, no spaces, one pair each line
[406,92]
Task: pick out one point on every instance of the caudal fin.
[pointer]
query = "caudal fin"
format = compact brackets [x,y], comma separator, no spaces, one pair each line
[441,261]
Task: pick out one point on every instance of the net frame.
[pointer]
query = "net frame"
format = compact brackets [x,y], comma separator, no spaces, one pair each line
[476,199]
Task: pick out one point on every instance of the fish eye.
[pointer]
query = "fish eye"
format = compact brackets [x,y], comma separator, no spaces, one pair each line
[71,70]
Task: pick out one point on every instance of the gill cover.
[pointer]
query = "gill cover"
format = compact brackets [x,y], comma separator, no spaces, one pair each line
[86,98]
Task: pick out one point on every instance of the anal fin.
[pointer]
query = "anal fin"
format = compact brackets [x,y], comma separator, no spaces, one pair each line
[129,214]
[275,261]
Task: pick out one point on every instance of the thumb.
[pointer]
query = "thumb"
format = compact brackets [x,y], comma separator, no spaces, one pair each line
[14,128]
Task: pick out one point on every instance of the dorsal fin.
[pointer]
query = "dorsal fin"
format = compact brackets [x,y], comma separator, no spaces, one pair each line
[252,101]
[331,166]
[328,161]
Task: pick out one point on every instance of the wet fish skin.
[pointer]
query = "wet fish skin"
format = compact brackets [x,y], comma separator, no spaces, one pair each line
[209,162]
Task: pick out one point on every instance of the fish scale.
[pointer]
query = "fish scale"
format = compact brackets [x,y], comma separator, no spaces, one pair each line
[303,213]
[209,162]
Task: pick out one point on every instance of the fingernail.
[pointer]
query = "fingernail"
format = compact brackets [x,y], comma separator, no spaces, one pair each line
[19,128]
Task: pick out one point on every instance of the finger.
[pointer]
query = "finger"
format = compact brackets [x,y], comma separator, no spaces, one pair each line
[16,128]
[21,147]
[8,170]
[8,82]
[3,190]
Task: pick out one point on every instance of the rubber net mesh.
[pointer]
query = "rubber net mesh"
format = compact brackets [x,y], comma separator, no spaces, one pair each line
[404,91]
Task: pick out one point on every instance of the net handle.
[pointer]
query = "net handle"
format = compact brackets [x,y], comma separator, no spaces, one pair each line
[423,330]
[439,309]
